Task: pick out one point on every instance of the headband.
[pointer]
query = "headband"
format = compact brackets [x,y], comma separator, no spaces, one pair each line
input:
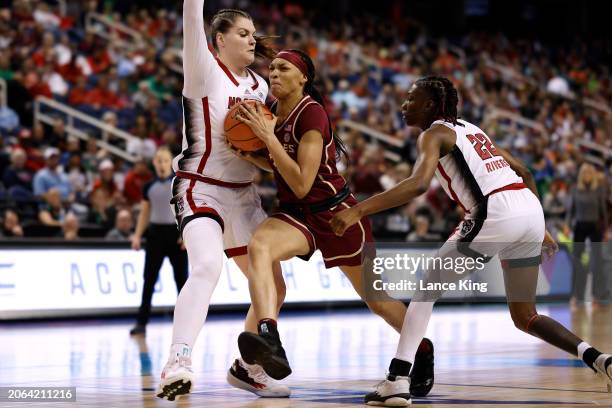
[295,59]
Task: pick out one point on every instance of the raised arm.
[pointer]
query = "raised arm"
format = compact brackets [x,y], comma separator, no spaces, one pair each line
[198,62]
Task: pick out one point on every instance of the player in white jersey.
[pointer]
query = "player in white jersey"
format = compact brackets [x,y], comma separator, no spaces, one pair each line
[216,207]
[503,215]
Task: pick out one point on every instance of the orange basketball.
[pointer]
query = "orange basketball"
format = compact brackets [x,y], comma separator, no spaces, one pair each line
[239,134]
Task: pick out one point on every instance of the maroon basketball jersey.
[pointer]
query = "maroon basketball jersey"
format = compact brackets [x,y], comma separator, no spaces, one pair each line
[308,115]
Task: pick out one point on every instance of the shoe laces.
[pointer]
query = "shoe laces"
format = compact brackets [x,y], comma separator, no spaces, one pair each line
[258,374]
[381,383]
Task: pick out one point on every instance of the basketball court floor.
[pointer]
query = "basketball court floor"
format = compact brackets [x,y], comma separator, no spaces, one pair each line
[481,360]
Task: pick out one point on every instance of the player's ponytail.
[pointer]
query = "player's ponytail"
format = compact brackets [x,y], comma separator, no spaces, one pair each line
[314,93]
[225,19]
[445,97]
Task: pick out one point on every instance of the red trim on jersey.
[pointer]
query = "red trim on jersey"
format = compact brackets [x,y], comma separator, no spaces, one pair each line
[207,135]
[256,85]
[227,72]
[238,251]
[513,186]
[450,188]
[208,180]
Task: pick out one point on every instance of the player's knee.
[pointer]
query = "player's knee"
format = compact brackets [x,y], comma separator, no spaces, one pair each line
[522,318]
[258,248]
[206,264]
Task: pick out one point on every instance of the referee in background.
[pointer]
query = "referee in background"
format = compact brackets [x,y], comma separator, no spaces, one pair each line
[163,238]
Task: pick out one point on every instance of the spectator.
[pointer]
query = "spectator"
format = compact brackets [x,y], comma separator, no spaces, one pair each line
[52,211]
[77,177]
[421,231]
[17,174]
[105,196]
[135,180]
[78,93]
[52,176]
[141,146]
[70,227]
[123,226]
[10,224]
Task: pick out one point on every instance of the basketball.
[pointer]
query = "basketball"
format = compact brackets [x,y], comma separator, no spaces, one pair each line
[240,134]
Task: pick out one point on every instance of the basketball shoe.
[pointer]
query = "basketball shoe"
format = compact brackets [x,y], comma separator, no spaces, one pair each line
[603,367]
[422,374]
[265,349]
[177,375]
[393,391]
[253,378]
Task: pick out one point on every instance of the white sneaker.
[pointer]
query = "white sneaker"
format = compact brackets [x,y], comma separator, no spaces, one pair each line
[391,392]
[177,375]
[603,366]
[254,379]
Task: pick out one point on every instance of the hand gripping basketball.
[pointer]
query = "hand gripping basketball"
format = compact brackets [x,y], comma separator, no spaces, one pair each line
[248,125]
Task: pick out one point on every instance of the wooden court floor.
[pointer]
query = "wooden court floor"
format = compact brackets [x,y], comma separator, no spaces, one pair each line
[481,360]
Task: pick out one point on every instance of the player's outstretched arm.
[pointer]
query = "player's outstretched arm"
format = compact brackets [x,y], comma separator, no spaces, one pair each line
[428,144]
[197,59]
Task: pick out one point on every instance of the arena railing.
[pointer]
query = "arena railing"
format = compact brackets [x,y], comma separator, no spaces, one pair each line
[494,113]
[2,93]
[375,136]
[48,110]
[595,153]
[120,34]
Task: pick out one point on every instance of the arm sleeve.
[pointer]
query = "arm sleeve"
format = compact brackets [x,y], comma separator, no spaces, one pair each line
[313,117]
[198,62]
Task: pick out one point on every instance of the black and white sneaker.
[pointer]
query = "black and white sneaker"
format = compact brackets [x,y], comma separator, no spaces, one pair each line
[422,374]
[254,379]
[603,367]
[266,351]
[177,375]
[391,392]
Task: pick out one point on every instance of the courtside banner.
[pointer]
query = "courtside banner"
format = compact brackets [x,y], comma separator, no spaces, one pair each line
[61,282]
[64,282]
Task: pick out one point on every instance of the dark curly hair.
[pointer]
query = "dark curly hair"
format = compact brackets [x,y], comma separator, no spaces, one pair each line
[444,94]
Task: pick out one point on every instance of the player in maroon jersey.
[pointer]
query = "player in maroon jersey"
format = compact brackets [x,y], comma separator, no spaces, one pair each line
[302,154]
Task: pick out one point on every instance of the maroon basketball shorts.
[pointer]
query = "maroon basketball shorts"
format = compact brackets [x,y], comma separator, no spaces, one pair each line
[346,250]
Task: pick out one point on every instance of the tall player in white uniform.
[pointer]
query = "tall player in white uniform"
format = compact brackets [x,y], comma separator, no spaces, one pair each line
[216,207]
[500,199]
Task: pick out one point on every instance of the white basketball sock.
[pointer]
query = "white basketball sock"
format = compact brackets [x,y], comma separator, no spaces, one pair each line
[204,242]
[582,347]
[413,330]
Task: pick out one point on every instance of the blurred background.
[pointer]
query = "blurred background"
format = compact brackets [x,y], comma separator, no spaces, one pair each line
[89,90]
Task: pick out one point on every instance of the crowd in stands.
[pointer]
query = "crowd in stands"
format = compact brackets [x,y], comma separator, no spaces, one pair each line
[53,183]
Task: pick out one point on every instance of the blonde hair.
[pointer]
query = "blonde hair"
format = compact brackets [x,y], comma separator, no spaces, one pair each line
[587,167]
